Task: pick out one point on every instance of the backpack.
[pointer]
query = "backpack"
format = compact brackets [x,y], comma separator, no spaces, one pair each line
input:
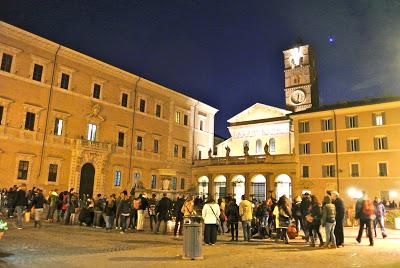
[368,208]
[152,210]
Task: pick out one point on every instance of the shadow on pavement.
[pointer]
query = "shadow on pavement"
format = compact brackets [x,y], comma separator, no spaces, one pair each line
[173,258]
[161,242]
[4,255]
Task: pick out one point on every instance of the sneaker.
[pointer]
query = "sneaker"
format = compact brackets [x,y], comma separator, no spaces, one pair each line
[358,240]
[212,244]
[122,232]
[19,228]
[384,236]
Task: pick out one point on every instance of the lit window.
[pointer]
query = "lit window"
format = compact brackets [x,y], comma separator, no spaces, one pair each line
[178,117]
[64,81]
[37,72]
[378,119]
[271,145]
[92,128]
[259,147]
[139,143]
[58,126]
[30,121]
[117,178]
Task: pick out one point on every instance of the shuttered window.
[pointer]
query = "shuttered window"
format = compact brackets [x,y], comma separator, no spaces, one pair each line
[353,145]
[380,143]
[328,171]
[352,121]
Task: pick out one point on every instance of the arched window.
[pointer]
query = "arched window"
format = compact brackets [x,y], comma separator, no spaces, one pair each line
[271,144]
[259,147]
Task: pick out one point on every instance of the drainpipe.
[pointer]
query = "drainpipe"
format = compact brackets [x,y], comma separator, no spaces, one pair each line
[132,130]
[48,112]
[336,153]
[194,130]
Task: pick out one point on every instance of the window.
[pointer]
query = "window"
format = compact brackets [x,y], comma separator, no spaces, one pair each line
[271,145]
[199,155]
[117,178]
[304,126]
[6,62]
[354,170]
[52,173]
[176,149]
[382,168]
[353,145]
[352,121]
[380,143]
[124,100]
[327,147]
[64,81]
[326,124]
[328,171]
[183,151]
[259,147]
[96,91]
[158,110]
[37,72]
[182,183]
[142,105]
[201,125]
[155,146]
[92,128]
[173,183]
[378,119]
[178,117]
[304,148]
[30,121]
[139,143]
[23,170]
[185,119]
[305,172]
[153,181]
[58,126]
[121,138]
[1,114]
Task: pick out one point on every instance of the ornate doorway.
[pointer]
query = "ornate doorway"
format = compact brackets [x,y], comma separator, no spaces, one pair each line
[87,180]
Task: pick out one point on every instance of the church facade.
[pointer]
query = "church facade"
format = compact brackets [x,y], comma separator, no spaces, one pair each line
[68,120]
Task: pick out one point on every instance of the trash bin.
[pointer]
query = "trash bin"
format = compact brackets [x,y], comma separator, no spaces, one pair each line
[397,223]
[192,238]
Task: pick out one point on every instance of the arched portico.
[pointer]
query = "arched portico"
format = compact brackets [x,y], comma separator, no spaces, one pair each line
[219,187]
[203,185]
[283,186]
[258,185]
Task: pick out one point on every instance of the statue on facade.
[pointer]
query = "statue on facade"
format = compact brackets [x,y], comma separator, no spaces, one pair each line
[210,153]
[165,184]
[228,151]
[266,149]
[246,149]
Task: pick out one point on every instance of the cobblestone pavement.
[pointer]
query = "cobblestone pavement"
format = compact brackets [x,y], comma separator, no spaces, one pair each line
[57,245]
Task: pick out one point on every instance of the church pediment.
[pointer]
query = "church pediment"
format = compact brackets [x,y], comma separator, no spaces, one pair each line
[258,112]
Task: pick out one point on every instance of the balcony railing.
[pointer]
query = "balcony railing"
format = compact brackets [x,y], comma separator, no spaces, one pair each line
[245,160]
[94,145]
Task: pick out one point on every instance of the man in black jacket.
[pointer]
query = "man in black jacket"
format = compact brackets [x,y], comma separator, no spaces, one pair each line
[339,205]
[20,204]
[178,215]
[163,210]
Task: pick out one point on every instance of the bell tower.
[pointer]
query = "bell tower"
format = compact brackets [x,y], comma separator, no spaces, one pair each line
[301,80]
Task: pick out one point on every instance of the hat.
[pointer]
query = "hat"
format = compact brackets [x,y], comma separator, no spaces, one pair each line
[54,193]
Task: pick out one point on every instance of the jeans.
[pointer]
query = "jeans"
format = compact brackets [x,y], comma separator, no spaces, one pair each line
[123,221]
[178,224]
[140,219]
[234,230]
[153,218]
[38,216]
[20,213]
[381,221]
[109,220]
[158,225]
[368,224]
[210,233]
[339,235]
[314,230]
[97,217]
[330,233]
[246,230]
[264,221]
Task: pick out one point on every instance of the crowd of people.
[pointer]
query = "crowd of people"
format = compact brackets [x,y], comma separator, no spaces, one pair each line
[279,219]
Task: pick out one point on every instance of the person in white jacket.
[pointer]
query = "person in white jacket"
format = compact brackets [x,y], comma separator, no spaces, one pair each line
[210,215]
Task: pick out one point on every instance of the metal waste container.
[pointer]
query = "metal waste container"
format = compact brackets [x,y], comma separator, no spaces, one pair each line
[192,238]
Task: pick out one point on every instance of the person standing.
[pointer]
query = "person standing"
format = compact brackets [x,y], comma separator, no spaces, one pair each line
[305,206]
[152,211]
[296,212]
[210,214]
[109,212]
[38,202]
[140,212]
[232,213]
[188,208]
[246,214]
[314,219]
[124,208]
[221,204]
[328,221]
[340,212]
[178,215]
[379,216]
[163,210]
[21,202]
[284,217]
[365,212]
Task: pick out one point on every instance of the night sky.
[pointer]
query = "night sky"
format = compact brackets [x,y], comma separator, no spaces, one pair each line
[228,54]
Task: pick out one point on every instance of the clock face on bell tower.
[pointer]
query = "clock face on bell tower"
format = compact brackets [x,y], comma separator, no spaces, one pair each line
[301,87]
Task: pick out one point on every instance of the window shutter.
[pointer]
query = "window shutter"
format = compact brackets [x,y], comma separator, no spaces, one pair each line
[333,171]
[357,145]
[322,125]
[323,147]
[385,143]
[376,143]
[323,171]
[356,121]
[348,142]
[383,119]
[347,121]
[373,119]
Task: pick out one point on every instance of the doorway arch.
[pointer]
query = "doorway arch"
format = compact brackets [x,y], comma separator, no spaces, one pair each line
[258,183]
[283,186]
[87,180]
[238,183]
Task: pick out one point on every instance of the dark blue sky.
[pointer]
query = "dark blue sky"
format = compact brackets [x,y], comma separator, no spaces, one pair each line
[229,53]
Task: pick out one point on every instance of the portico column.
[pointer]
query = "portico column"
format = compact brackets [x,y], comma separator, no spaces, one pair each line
[211,185]
[247,185]
[229,190]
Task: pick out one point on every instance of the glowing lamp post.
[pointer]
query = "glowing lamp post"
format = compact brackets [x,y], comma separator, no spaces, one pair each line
[393,194]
